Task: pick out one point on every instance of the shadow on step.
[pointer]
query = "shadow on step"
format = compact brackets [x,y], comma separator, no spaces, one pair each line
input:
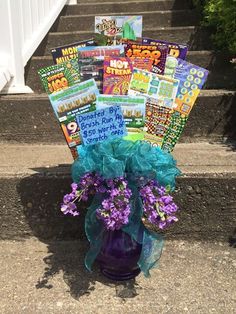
[230,126]
[67,257]
[201,198]
[41,195]
[232,239]
[207,214]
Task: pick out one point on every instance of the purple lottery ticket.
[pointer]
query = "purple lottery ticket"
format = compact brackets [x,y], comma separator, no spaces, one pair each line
[176,50]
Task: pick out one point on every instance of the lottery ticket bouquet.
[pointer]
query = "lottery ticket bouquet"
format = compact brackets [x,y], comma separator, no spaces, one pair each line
[122,105]
[126,183]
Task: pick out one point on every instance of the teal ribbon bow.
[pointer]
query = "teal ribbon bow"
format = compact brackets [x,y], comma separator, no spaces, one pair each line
[132,160]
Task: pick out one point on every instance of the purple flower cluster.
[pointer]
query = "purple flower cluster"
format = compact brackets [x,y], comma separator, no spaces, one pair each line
[89,184]
[68,206]
[115,209]
[158,205]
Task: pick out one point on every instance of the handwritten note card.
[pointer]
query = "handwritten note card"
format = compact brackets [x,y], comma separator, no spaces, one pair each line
[101,125]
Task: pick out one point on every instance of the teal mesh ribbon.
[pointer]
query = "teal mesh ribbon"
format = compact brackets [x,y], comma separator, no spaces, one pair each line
[94,230]
[133,160]
[152,243]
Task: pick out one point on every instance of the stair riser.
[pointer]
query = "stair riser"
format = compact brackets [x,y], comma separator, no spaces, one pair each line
[30,207]
[221,75]
[197,39]
[103,8]
[31,120]
[150,20]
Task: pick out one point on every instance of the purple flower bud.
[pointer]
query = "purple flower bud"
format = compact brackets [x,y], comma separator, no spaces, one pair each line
[67,198]
[71,206]
[74,186]
[64,209]
[166,199]
[162,191]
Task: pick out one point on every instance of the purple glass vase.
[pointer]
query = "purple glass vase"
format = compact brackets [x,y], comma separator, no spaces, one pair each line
[119,256]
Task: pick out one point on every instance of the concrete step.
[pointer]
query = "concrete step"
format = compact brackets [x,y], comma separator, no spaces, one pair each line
[33,179]
[222,72]
[30,118]
[124,6]
[53,280]
[197,38]
[152,19]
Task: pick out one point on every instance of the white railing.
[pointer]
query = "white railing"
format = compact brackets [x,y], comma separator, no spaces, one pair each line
[23,25]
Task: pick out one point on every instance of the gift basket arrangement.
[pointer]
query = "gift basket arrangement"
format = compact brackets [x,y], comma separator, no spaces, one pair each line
[122,101]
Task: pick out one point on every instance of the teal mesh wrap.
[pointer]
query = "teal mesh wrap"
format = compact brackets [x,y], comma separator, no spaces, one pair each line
[132,160]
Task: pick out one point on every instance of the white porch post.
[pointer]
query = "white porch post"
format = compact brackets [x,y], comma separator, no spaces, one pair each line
[23,25]
[11,46]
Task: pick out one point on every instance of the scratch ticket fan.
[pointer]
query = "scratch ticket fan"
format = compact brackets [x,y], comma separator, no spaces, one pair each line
[90,61]
[156,87]
[59,76]
[157,54]
[116,75]
[101,125]
[157,122]
[99,52]
[174,49]
[67,52]
[119,28]
[77,99]
[133,109]
[141,63]
[192,79]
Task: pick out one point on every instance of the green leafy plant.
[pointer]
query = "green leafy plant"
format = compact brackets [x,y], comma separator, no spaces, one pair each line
[221,15]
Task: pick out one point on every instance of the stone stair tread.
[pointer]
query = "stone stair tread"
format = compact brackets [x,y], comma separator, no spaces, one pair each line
[203,93]
[127,13]
[189,27]
[192,158]
[107,6]
[196,37]
[53,279]
[152,18]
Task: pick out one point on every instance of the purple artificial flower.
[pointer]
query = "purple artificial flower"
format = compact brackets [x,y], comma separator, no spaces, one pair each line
[74,186]
[166,223]
[166,199]
[80,191]
[161,191]
[114,192]
[162,224]
[158,205]
[110,183]
[69,208]
[169,209]
[64,208]
[67,198]
[115,209]
[101,189]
